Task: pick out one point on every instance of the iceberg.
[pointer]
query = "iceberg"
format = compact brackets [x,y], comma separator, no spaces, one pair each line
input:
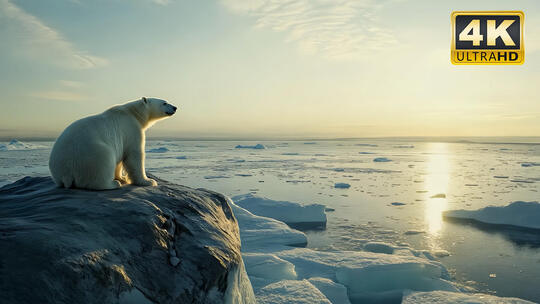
[342,185]
[381,160]
[519,214]
[15,145]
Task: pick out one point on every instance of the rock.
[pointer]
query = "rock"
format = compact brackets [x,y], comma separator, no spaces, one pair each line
[77,246]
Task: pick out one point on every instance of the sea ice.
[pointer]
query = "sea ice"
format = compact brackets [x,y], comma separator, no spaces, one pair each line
[521,214]
[381,160]
[528,164]
[257,146]
[15,145]
[291,292]
[158,150]
[379,247]
[291,213]
[259,232]
[446,297]
[333,291]
[342,185]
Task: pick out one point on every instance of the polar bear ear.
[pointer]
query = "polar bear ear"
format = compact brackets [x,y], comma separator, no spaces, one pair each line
[144,100]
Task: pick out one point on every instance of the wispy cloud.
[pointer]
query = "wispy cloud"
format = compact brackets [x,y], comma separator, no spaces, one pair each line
[161,2]
[58,95]
[36,39]
[337,29]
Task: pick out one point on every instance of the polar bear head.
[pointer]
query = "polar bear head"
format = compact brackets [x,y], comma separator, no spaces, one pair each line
[158,108]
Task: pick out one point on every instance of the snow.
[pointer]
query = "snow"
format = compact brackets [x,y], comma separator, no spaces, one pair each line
[381,160]
[158,150]
[521,214]
[288,212]
[257,146]
[15,145]
[443,297]
[342,185]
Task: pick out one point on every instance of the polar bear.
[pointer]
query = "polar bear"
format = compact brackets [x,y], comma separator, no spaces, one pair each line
[93,152]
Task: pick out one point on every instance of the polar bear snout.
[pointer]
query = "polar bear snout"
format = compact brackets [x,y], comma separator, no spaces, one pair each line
[171,110]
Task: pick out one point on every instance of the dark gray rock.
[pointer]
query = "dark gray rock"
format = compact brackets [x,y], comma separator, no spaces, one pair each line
[165,244]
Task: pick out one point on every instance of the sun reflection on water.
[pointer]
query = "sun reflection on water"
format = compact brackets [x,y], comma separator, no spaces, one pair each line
[436,181]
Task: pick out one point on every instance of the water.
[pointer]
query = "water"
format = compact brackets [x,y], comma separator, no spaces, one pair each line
[470,175]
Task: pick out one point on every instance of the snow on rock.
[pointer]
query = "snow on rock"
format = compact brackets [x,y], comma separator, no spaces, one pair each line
[381,160]
[158,150]
[334,292]
[15,145]
[291,292]
[261,232]
[521,214]
[447,297]
[294,214]
[257,146]
[119,246]
[342,185]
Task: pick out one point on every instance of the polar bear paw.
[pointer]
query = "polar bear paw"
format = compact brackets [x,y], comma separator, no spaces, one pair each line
[146,182]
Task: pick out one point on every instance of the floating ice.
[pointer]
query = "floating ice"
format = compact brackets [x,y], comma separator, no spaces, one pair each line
[521,214]
[257,146]
[446,297]
[379,247]
[15,145]
[404,146]
[291,292]
[342,185]
[158,150]
[366,153]
[381,160]
[397,204]
[259,232]
[294,214]
[439,195]
[333,291]
[181,157]
[366,145]
[530,164]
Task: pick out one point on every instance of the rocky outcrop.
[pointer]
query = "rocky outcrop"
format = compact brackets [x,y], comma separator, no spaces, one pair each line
[165,244]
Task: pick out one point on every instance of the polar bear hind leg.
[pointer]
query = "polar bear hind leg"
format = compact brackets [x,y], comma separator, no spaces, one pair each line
[98,175]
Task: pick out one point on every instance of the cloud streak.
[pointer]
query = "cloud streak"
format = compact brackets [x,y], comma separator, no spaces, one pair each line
[337,29]
[31,36]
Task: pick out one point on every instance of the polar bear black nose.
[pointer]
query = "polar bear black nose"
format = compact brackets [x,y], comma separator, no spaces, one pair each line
[174,108]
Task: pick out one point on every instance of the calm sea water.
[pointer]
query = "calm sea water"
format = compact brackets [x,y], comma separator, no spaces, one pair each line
[470,175]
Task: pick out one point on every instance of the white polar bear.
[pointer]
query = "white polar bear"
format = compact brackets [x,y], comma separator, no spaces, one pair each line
[92,152]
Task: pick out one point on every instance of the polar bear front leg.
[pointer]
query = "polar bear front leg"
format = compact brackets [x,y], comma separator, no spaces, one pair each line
[134,165]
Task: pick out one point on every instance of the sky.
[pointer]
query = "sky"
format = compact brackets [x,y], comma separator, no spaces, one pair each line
[262,68]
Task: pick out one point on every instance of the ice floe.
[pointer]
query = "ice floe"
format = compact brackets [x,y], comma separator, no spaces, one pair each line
[158,150]
[342,185]
[257,147]
[446,297]
[520,214]
[294,214]
[381,160]
[15,145]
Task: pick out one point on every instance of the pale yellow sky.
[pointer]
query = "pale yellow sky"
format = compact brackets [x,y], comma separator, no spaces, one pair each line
[280,68]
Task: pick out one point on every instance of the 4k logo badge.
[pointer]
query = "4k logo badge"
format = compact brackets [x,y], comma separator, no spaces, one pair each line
[487,37]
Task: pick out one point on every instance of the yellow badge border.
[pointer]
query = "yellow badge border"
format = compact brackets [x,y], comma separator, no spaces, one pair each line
[499,13]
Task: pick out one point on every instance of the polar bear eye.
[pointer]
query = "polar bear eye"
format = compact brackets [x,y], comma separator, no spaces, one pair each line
[164,103]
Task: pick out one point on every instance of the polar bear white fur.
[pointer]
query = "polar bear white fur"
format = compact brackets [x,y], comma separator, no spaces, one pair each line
[93,152]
